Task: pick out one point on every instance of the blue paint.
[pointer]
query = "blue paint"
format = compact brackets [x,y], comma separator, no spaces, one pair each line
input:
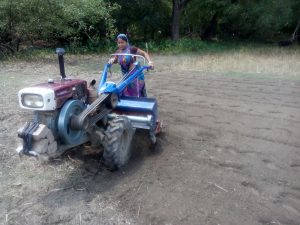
[131,105]
[104,88]
[104,76]
[108,87]
[147,106]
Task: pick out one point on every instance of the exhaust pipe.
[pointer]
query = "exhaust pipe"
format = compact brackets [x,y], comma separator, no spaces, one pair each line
[60,52]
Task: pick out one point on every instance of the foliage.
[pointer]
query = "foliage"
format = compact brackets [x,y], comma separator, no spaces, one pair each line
[70,21]
[266,20]
[143,19]
[90,25]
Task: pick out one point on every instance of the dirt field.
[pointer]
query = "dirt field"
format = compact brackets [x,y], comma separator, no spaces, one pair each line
[230,154]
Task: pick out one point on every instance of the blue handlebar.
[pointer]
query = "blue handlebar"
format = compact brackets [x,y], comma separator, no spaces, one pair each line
[104,76]
[125,83]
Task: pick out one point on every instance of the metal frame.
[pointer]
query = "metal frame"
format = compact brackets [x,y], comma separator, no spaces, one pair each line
[105,87]
[141,111]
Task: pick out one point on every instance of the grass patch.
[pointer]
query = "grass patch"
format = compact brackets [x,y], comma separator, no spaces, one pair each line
[197,46]
[228,58]
[165,47]
[29,54]
[276,62]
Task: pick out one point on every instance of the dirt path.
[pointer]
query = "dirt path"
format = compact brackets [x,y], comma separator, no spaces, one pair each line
[230,155]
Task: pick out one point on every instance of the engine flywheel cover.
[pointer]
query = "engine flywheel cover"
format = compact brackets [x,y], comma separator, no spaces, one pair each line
[70,136]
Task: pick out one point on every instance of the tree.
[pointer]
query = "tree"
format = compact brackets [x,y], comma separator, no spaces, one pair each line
[260,20]
[143,19]
[68,21]
[178,6]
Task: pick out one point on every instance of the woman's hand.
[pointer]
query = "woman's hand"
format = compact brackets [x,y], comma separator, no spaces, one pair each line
[112,60]
[150,63]
[146,55]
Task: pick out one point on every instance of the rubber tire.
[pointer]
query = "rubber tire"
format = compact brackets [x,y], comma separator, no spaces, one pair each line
[117,142]
[112,97]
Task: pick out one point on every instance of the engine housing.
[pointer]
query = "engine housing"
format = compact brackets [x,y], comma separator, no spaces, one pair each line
[53,94]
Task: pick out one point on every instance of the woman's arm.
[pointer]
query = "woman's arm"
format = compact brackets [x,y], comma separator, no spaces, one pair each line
[146,55]
[113,60]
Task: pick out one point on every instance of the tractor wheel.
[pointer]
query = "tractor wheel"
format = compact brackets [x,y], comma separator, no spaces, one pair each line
[117,141]
[112,101]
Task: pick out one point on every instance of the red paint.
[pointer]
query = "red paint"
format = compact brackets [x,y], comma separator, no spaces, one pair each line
[63,89]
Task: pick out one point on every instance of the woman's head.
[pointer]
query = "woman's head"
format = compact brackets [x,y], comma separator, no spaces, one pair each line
[122,41]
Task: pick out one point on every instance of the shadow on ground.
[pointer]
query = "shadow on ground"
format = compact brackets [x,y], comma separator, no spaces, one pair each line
[92,179]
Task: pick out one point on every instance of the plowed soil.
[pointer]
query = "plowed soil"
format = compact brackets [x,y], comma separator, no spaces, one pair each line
[229,154]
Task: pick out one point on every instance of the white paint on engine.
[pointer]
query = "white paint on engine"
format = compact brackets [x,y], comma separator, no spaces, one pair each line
[46,93]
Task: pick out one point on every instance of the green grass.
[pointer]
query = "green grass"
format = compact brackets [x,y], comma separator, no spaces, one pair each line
[193,46]
[29,54]
[206,47]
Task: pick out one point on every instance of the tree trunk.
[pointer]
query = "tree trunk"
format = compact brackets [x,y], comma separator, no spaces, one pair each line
[178,6]
[211,29]
[175,20]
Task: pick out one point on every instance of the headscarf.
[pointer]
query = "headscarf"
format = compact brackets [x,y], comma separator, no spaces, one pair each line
[123,37]
[124,60]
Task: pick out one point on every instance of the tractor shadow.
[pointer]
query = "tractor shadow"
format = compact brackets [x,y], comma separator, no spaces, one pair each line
[90,178]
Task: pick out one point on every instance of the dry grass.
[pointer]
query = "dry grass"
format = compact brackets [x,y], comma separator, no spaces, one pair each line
[281,63]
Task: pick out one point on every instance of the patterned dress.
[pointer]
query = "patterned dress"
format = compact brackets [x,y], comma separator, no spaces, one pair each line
[137,87]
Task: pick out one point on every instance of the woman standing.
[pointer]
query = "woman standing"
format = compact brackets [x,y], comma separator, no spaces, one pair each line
[137,87]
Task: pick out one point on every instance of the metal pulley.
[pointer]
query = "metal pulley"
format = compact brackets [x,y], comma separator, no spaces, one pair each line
[68,134]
